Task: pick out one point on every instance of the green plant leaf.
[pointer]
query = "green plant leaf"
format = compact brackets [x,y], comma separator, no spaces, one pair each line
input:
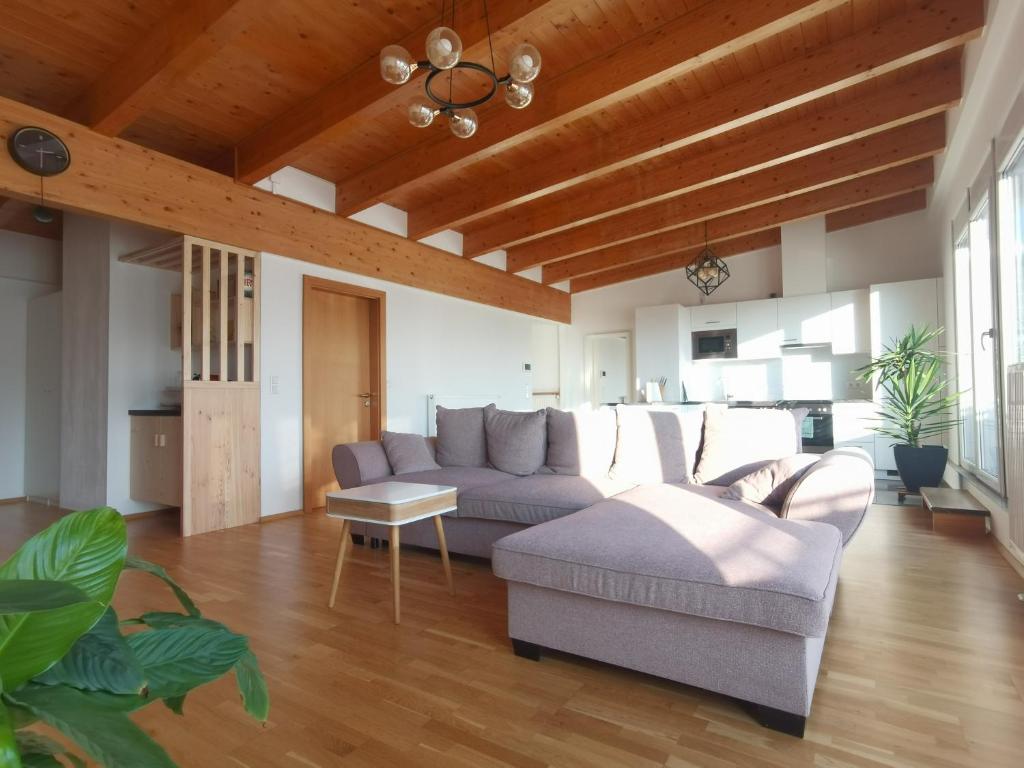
[253,686]
[85,549]
[8,746]
[138,564]
[31,595]
[176,704]
[107,735]
[39,751]
[178,659]
[101,660]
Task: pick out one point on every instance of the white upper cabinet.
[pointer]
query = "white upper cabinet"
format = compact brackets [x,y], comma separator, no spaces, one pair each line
[897,306]
[712,317]
[851,323]
[806,319]
[758,331]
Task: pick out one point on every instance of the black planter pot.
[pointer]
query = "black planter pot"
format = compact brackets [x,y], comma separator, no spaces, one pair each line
[920,467]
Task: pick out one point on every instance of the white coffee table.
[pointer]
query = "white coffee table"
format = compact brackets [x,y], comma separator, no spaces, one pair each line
[393,504]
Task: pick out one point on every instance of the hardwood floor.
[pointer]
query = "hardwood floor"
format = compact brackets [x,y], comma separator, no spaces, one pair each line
[924,664]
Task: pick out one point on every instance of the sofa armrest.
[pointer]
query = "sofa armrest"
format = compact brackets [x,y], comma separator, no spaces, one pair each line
[358,464]
[837,490]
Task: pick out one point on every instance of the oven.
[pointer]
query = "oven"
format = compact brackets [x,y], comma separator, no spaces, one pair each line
[714,345]
[816,428]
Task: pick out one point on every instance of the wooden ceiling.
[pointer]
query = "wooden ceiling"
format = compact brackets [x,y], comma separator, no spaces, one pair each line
[653,121]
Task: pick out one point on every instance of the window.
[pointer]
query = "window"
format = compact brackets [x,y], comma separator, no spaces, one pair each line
[1011,256]
[977,362]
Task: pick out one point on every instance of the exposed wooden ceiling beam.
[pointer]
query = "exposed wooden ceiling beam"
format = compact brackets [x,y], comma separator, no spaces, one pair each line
[896,146]
[348,102]
[696,167]
[189,35]
[121,180]
[702,35]
[878,210]
[876,186]
[723,249]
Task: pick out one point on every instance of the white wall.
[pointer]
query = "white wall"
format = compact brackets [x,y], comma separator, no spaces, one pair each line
[141,361]
[435,345]
[42,399]
[13,327]
[886,251]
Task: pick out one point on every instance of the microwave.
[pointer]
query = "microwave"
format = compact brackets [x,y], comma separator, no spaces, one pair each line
[710,345]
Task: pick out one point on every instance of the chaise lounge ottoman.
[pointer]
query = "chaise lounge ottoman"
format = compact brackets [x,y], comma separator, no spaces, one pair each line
[676,582]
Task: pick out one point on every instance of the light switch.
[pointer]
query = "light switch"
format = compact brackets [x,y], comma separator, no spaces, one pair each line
[275,385]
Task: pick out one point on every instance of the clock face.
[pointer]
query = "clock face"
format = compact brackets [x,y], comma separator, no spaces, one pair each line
[39,151]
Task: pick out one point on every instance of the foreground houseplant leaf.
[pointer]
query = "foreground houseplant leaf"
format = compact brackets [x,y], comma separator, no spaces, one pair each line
[101,660]
[178,659]
[107,735]
[85,549]
[31,595]
[138,564]
[8,747]
[38,751]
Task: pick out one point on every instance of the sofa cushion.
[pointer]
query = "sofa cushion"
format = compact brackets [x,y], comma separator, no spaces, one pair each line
[581,443]
[516,440]
[463,478]
[738,441]
[651,446]
[771,484]
[460,437]
[669,548]
[407,452]
[538,498]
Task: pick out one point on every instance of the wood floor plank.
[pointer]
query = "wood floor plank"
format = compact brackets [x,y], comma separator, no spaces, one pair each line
[924,665]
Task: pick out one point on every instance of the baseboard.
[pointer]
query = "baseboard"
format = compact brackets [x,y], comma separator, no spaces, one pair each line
[282,515]
[151,513]
[14,500]
[1014,561]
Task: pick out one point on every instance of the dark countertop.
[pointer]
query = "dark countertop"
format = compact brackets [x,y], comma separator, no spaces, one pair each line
[155,412]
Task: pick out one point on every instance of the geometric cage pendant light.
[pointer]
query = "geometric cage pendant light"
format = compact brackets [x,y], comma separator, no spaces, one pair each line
[707,271]
[444,54]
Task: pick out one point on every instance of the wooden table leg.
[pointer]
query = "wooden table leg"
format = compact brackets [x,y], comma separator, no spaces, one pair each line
[443,546]
[395,547]
[346,526]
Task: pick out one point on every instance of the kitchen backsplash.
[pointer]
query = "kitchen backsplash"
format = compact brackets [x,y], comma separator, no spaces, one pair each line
[807,374]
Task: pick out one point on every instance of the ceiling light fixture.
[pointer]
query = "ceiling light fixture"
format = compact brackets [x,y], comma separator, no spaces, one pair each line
[707,272]
[444,54]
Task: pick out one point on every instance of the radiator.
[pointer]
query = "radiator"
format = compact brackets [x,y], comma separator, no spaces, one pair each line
[1014,437]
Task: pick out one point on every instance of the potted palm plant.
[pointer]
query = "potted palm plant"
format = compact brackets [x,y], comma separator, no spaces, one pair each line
[915,404]
[68,662]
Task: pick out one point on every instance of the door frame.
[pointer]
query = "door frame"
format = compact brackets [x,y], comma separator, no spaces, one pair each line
[378,371]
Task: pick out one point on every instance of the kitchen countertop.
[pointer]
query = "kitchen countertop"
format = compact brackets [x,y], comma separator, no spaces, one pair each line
[171,411]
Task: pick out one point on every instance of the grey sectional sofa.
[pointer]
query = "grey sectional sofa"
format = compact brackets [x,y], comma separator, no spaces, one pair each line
[662,574]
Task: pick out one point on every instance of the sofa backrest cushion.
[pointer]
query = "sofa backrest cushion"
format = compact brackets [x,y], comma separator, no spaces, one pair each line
[740,438]
[581,443]
[407,452]
[651,446]
[771,484]
[516,440]
[461,441]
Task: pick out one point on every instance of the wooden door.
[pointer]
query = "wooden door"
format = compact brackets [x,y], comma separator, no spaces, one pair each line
[342,377]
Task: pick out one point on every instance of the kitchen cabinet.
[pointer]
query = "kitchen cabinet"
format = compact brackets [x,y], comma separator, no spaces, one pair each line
[712,317]
[806,319]
[897,306]
[156,459]
[662,346]
[851,425]
[758,330]
[851,322]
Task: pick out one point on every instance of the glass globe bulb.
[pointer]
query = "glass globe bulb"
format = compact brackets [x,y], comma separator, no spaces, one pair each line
[421,114]
[444,48]
[524,65]
[396,64]
[518,95]
[463,123]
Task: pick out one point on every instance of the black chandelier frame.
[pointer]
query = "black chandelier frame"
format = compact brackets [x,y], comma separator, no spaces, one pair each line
[447,105]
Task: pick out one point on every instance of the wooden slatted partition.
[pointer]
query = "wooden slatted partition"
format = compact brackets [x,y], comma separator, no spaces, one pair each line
[220,406]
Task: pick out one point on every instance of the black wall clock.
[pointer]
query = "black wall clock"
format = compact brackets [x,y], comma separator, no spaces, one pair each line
[38,151]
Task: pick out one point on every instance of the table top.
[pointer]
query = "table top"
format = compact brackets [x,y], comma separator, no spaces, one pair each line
[391,493]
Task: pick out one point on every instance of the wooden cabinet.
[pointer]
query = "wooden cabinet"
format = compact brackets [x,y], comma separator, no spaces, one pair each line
[758,331]
[851,323]
[156,459]
[806,319]
[197,314]
[712,317]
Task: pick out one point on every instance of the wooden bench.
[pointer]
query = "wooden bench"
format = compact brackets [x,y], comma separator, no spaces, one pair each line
[955,512]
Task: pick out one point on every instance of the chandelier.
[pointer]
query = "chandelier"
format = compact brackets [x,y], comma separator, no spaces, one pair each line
[707,272]
[444,54]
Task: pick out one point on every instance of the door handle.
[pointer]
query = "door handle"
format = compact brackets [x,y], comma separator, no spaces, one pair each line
[366,395]
[991,334]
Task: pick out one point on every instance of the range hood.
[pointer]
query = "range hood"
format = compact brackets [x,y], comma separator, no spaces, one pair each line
[808,345]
